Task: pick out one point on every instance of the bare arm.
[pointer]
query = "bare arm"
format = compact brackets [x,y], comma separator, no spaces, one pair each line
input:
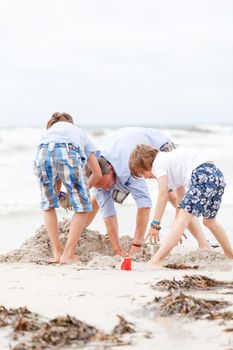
[112,230]
[96,173]
[91,215]
[141,225]
[159,208]
[162,198]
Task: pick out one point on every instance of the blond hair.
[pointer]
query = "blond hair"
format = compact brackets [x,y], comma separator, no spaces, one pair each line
[59,117]
[141,158]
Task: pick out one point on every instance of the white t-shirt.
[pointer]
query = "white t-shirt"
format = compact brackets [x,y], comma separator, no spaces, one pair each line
[64,132]
[177,166]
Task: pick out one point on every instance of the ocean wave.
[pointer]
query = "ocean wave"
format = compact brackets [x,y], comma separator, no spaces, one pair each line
[206,128]
[26,139]
[19,139]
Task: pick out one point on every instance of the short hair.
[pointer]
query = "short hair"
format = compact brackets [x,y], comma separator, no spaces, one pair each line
[59,117]
[141,158]
[105,167]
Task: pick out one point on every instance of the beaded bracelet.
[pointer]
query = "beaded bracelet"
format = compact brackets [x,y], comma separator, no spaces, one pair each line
[156,227]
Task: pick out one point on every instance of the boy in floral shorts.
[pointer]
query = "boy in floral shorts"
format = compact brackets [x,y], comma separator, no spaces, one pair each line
[63,151]
[205,186]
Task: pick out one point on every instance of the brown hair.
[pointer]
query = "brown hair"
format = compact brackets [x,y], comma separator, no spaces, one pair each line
[141,158]
[59,117]
[105,167]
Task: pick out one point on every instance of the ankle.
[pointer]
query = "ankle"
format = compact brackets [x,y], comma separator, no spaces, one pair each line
[58,250]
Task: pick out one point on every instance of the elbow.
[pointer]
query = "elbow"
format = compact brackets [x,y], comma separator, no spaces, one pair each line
[96,177]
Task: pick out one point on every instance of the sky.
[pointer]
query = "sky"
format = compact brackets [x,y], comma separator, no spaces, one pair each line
[116,62]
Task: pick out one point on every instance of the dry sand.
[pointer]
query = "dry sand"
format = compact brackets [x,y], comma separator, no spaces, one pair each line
[95,291]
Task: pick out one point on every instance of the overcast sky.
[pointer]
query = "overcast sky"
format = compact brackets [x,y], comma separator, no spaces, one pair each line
[116,61]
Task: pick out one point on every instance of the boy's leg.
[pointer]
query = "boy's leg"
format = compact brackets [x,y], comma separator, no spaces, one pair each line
[76,227]
[220,234]
[51,224]
[195,228]
[179,225]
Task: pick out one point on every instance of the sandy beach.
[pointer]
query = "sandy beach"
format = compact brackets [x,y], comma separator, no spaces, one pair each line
[102,66]
[96,296]
[95,291]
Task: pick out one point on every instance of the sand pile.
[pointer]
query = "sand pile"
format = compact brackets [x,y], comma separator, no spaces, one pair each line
[202,258]
[95,249]
[92,247]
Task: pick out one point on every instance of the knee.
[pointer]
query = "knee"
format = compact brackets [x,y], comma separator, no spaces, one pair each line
[209,223]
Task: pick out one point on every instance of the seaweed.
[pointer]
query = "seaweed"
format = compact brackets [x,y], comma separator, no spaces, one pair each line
[191,282]
[181,267]
[228,329]
[225,316]
[123,326]
[180,304]
[16,317]
[64,331]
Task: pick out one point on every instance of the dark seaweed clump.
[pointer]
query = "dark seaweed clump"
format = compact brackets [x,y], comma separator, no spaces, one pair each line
[31,332]
[191,282]
[179,304]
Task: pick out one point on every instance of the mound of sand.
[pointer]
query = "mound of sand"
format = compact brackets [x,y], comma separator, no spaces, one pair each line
[202,258]
[92,247]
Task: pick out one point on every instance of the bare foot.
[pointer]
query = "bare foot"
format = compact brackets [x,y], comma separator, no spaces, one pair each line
[229,256]
[154,265]
[204,247]
[69,259]
[57,256]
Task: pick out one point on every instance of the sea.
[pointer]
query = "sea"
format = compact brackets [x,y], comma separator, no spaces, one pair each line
[20,214]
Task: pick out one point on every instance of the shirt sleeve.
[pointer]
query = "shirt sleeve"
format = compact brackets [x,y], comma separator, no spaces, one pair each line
[89,148]
[159,167]
[105,202]
[140,193]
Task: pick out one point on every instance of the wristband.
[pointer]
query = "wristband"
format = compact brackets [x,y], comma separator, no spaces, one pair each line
[155,222]
[136,245]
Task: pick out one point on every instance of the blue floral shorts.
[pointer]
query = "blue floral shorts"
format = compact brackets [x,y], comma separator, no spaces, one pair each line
[205,191]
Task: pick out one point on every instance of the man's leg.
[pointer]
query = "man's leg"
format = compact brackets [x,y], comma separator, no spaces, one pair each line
[111,226]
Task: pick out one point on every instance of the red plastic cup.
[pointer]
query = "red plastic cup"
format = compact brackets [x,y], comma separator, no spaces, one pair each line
[126,264]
